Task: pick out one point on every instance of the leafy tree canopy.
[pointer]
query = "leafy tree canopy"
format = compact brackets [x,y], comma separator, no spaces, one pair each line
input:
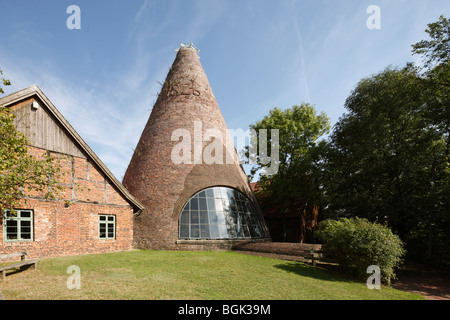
[21,173]
[388,159]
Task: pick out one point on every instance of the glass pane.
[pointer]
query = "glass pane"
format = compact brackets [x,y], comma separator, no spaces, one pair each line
[239,230]
[194,217]
[226,204]
[111,218]
[194,204]
[203,204]
[102,230]
[184,218]
[210,193]
[195,232]
[10,214]
[184,231]
[217,193]
[246,232]
[231,193]
[253,234]
[214,231]
[25,229]
[204,231]
[204,217]
[25,223]
[223,231]
[212,217]
[240,206]
[257,231]
[246,219]
[25,214]
[221,217]
[102,218]
[231,231]
[11,229]
[223,192]
[202,194]
[218,204]
[25,232]
[233,206]
[211,204]
[231,218]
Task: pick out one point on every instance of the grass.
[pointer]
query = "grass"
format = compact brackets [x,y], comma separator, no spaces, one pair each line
[149,275]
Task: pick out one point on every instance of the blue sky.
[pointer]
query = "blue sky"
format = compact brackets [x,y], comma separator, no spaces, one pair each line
[257,54]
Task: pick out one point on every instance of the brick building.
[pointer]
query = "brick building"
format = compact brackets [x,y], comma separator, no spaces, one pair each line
[171,198]
[94,213]
[196,194]
[298,224]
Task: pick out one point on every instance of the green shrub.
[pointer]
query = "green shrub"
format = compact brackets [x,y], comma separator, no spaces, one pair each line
[356,244]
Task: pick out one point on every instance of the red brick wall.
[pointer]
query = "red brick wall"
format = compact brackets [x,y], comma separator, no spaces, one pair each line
[69,225]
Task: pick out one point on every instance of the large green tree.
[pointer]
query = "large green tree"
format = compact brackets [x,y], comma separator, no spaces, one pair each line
[388,156]
[20,171]
[294,187]
[435,72]
[5,82]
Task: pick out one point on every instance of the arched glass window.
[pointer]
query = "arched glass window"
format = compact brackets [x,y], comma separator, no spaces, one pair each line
[220,213]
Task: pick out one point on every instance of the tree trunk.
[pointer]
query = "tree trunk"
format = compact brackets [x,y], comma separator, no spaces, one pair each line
[284,225]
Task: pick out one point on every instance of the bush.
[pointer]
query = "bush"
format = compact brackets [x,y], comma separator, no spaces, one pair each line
[356,243]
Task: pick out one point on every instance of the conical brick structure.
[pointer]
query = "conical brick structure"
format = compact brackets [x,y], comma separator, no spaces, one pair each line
[190,202]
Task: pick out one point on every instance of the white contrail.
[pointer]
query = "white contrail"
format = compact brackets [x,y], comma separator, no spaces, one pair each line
[303,78]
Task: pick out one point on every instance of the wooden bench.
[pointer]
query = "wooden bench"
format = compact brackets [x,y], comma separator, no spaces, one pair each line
[314,255]
[20,264]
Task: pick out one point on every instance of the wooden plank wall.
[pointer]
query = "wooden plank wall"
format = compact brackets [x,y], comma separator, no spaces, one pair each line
[42,130]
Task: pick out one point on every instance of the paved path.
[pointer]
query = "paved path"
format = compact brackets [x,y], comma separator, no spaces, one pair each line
[424,280]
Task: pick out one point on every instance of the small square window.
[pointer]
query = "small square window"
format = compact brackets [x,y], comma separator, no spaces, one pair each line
[18,225]
[106,226]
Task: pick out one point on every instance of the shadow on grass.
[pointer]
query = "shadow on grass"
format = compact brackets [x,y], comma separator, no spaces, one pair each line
[327,274]
[18,270]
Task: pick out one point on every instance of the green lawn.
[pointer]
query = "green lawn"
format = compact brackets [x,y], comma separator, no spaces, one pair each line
[146,274]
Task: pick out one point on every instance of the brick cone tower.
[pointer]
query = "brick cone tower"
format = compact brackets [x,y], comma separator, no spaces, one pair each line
[164,177]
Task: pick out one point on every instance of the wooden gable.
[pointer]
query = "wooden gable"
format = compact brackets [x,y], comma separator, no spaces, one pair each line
[41,128]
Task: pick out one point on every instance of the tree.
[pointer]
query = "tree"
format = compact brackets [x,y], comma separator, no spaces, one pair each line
[437,49]
[388,162]
[22,173]
[356,243]
[294,187]
[5,82]
[388,157]
[435,79]
[436,71]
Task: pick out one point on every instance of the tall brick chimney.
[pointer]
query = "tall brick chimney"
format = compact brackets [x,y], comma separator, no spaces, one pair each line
[164,176]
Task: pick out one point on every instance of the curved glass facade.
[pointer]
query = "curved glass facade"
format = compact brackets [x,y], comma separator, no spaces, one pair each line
[220,213]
